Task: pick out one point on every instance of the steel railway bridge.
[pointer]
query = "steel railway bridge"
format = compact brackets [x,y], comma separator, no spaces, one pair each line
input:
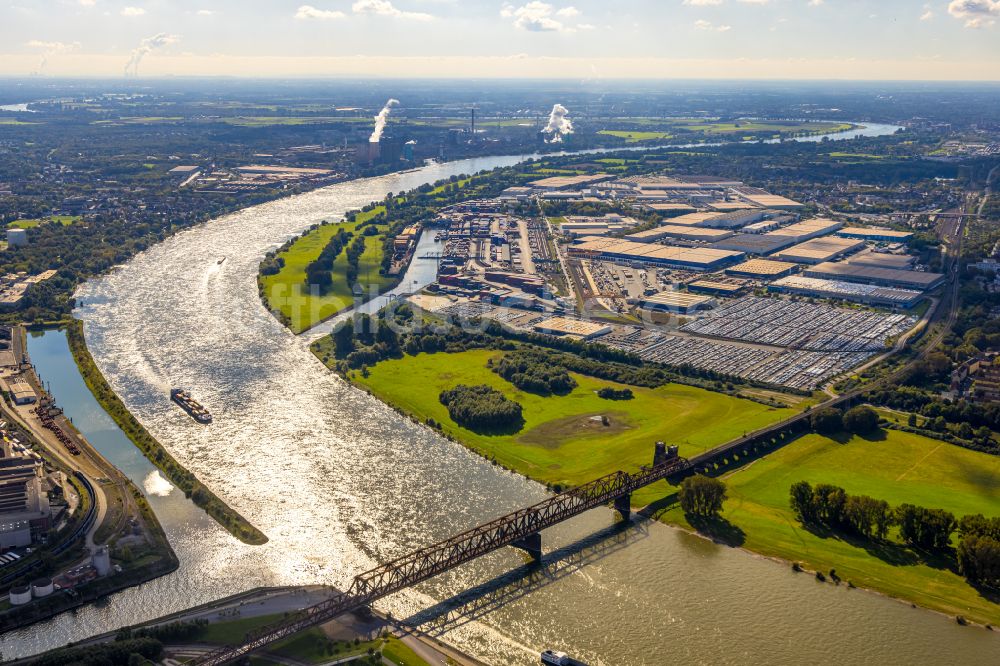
[521,529]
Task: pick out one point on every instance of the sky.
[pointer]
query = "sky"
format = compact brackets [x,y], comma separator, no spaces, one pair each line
[572,39]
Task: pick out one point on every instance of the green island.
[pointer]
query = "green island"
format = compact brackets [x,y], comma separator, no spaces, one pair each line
[286,293]
[226,516]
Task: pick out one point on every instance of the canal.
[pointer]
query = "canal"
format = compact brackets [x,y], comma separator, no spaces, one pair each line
[341,483]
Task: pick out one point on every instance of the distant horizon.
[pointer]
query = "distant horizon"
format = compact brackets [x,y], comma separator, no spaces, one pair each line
[934,40]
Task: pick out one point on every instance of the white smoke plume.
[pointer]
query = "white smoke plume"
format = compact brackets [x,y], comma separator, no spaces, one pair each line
[50,49]
[146,46]
[381,119]
[559,125]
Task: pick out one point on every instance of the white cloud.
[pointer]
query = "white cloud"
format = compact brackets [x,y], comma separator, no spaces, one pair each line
[754,2]
[815,3]
[536,16]
[386,8]
[86,3]
[702,3]
[206,12]
[702,24]
[976,13]
[53,47]
[928,14]
[132,11]
[308,12]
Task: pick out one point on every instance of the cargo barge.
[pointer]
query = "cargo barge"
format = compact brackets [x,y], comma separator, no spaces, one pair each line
[190,405]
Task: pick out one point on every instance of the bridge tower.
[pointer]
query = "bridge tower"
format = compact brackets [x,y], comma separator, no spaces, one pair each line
[531,544]
[663,453]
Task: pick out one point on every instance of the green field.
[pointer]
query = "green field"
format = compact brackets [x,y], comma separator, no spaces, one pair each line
[631,136]
[561,443]
[287,291]
[64,220]
[900,467]
[668,128]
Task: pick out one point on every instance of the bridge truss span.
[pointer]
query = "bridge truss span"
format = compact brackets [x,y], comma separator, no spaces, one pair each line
[519,528]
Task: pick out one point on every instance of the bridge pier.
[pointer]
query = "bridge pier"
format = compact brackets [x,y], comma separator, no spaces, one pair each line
[623,505]
[531,544]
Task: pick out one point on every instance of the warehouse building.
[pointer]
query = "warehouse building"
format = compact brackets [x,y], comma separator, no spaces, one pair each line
[875,234]
[819,250]
[693,259]
[670,209]
[762,269]
[885,277]
[716,288]
[900,262]
[759,244]
[677,301]
[699,219]
[699,234]
[808,229]
[564,326]
[764,199]
[847,291]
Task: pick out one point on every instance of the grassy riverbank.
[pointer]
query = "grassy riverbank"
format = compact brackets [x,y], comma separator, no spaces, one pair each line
[237,525]
[561,443]
[896,466]
[287,293]
[563,440]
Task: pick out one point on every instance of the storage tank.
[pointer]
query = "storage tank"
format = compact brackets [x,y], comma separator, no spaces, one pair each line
[20,595]
[102,561]
[42,587]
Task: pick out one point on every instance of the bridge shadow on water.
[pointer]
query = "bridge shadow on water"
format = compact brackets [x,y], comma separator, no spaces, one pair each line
[481,600]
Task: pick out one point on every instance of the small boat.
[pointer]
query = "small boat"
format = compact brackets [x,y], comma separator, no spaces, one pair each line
[190,405]
[556,658]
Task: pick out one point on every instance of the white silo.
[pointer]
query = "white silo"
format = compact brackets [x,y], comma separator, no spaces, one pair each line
[42,587]
[20,595]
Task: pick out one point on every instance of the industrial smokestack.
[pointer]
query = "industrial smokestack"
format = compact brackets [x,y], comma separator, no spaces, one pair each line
[381,119]
[146,46]
[559,125]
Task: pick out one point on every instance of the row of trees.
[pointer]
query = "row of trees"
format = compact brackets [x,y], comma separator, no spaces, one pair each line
[354,252]
[319,272]
[481,407]
[529,370]
[832,507]
[978,551]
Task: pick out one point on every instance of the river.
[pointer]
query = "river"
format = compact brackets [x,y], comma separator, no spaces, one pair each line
[340,483]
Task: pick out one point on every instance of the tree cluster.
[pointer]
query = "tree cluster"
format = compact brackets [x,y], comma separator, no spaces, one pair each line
[529,370]
[481,407]
[611,393]
[117,653]
[979,550]
[860,420]
[701,495]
